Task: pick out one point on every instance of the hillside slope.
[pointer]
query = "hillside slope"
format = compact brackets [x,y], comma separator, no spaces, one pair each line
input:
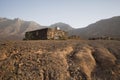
[16,28]
[106,27]
[60,60]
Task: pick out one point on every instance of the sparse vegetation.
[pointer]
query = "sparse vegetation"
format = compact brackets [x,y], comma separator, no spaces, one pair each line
[74,37]
[104,38]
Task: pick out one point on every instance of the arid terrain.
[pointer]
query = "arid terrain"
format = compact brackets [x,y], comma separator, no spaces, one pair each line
[60,60]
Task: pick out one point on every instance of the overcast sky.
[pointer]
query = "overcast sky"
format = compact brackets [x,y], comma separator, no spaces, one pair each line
[77,13]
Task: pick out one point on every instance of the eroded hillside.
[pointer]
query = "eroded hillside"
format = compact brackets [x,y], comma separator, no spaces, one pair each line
[60,60]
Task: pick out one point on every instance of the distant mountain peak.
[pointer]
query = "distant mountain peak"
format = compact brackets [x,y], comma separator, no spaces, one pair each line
[17,19]
[59,23]
[62,26]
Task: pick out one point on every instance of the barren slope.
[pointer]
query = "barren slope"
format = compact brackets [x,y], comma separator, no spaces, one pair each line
[60,60]
[14,29]
[106,27]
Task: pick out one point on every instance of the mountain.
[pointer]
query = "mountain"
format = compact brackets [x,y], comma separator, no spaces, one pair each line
[62,26]
[106,27]
[15,28]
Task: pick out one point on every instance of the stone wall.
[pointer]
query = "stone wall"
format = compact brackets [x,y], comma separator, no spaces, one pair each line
[36,35]
[46,34]
[56,34]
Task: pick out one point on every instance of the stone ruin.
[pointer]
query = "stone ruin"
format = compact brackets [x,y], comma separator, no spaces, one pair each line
[46,34]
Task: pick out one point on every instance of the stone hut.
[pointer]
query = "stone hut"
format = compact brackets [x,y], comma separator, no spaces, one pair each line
[46,34]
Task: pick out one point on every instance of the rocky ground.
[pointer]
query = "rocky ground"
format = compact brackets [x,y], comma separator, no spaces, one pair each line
[60,60]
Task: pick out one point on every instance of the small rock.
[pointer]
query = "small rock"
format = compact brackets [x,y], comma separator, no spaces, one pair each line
[3,56]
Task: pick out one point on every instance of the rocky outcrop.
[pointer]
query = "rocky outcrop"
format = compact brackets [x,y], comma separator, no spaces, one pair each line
[60,60]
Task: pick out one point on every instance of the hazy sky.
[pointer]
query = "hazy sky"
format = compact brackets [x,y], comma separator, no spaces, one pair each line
[77,13]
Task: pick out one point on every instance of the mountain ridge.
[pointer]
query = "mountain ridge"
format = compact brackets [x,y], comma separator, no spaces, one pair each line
[105,27]
[16,28]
